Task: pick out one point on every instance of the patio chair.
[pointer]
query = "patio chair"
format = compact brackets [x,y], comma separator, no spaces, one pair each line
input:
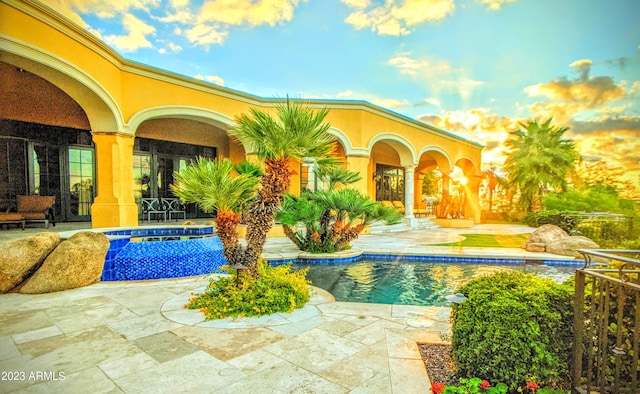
[7,218]
[156,207]
[37,208]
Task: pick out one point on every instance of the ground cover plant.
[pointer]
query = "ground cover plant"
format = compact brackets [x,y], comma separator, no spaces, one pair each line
[512,327]
[275,289]
[490,240]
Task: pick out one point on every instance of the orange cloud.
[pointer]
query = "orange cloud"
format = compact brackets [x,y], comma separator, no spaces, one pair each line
[566,97]
[478,125]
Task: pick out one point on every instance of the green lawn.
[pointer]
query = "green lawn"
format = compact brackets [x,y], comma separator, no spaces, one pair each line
[490,240]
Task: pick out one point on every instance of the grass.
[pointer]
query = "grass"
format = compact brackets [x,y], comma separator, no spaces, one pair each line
[490,241]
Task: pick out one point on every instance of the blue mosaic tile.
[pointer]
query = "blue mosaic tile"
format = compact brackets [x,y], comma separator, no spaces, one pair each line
[167,259]
[573,263]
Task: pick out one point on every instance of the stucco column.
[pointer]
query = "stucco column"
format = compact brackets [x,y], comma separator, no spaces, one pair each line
[409,172]
[114,205]
[360,164]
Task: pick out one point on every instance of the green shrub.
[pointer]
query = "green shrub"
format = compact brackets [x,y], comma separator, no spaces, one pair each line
[596,198]
[276,289]
[633,244]
[514,326]
[607,232]
[562,219]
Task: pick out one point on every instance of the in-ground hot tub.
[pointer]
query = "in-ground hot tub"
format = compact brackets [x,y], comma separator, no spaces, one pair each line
[159,252]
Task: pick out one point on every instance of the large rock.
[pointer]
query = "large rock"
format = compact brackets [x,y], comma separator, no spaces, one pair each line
[546,234]
[568,246]
[21,258]
[535,247]
[76,262]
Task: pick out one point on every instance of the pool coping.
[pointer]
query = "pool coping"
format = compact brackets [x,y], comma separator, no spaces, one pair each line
[355,255]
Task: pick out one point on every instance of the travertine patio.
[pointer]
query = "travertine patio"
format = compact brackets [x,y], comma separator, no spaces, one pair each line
[135,337]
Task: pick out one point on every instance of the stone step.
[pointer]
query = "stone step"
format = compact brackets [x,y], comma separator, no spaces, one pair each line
[405,225]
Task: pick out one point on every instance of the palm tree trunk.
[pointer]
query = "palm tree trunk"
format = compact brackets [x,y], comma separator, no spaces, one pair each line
[226,226]
[262,211]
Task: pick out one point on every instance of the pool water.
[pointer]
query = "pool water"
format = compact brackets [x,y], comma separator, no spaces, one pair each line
[411,283]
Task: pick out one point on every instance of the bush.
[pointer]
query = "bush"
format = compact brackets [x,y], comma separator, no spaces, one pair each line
[607,232]
[562,219]
[276,289]
[596,198]
[512,327]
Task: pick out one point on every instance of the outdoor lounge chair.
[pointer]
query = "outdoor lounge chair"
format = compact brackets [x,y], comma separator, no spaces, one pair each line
[11,218]
[37,208]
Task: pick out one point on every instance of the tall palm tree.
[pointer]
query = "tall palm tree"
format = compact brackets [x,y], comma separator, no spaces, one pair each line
[293,133]
[216,187]
[538,160]
[495,180]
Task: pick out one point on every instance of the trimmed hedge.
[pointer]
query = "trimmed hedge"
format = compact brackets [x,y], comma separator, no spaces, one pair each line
[562,219]
[514,327]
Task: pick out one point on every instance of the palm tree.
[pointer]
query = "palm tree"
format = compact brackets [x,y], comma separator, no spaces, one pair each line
[332,218]
[216,187]
[337,176]
[294,133]
[538,160]
[495,180]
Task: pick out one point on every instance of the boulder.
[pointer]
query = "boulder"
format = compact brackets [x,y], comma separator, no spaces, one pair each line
[76,262]
[21,258]
[535,247]
[545,234]
[568,246]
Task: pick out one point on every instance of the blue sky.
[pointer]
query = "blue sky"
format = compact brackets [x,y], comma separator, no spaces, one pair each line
[474,67]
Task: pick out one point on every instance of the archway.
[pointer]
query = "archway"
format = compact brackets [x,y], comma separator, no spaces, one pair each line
[392,164]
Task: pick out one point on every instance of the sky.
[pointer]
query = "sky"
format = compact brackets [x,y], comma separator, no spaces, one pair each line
[476,68]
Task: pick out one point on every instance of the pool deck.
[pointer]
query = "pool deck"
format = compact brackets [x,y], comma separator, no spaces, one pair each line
[135,337]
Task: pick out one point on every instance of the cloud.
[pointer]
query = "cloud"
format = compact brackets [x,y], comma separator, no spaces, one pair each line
[433,101]
[438,74]
[252,13]
[494,5]
[620,62]
[174,47]
[206,35]
[101,8]
[390,103]
[606,125]
[395,17]
[480,125]
[183,16]
[211,78]
[136,36]
[566,97]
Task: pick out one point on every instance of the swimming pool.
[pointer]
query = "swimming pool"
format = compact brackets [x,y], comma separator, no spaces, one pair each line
[410,282]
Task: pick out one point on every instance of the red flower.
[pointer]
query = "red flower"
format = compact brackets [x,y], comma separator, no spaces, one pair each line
[437,387]
[485,385]
[533,386]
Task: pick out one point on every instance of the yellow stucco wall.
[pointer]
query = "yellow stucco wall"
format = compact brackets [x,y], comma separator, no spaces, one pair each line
[125,98]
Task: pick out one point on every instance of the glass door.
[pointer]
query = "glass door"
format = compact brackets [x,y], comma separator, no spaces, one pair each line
[44,174]
[389,183]
[81,184]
